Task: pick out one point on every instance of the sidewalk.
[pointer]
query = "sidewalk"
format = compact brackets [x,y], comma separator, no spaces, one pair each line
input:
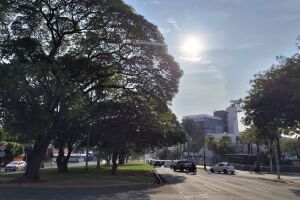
[291,178]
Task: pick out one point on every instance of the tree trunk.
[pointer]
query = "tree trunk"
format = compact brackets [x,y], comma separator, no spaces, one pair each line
[121,158]
[277,160]
[278,150]
[114,163]
[108,158]
[60,159]
[257,148]
[249,150]
[98,157]
[66,159]
[35,158]
[270,156]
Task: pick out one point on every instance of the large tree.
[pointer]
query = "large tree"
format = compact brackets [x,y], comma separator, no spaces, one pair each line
[272,104]
[53,52]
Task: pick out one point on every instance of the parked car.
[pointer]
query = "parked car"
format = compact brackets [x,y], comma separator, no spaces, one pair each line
[162,162]
[168,163]
[157,163]
[222,167]
[181,165]
[15,166]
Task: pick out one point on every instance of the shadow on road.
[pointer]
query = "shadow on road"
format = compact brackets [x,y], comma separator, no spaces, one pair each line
[296,192]
[172,179]
[119,192]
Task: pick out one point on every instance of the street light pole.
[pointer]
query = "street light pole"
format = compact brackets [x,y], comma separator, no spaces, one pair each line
[204,151]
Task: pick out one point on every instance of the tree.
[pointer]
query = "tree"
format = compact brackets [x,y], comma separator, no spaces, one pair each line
[53,52]
[12,149]
[272,102]
[163,154]
[251,136]
[225,145]
[193,147]
[288,147]
[191,129]
[212,144]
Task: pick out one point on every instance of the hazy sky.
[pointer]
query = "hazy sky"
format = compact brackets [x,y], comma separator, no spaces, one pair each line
[221,44]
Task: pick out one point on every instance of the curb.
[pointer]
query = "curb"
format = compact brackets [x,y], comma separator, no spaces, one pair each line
[270,179]
[158,177]
[280,181]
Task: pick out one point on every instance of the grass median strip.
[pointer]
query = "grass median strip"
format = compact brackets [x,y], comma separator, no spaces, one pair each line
[131,172]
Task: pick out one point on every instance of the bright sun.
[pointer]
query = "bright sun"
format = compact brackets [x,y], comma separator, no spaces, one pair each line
[192,45]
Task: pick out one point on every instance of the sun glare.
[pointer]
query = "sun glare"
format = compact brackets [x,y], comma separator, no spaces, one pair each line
[192,45]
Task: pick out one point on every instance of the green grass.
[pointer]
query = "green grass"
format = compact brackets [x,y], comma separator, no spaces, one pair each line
[132,172]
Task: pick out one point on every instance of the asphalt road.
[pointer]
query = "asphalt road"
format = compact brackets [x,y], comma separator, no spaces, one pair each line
[178,186]
[225,186]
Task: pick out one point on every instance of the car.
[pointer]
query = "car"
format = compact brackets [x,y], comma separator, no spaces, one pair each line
[181,165]
[157,163]
[162,162]
[224,167]
[168,163]
[15,166]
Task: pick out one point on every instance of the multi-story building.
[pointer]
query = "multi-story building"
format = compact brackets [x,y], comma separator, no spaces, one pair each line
[222,122]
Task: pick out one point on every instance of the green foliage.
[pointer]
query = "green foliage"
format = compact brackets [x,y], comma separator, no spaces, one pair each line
[225,145]
[288,146]
[68,68]
[164,154]
[273,101]
[190,126]
[211,143]
[193,147]
[251,135]
[12,149]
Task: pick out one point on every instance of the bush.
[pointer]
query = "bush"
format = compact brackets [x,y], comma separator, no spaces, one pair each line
[13,149]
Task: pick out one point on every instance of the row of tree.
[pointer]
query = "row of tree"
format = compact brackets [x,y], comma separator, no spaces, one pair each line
[272,103]
[84,72]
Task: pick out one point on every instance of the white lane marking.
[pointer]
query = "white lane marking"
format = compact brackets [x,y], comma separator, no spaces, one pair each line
[215,189]
[255,188]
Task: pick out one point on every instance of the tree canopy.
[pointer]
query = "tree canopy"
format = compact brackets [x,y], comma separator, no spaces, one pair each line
[272,102]
[69,65]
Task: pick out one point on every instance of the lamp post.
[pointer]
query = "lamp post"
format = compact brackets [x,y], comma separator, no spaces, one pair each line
[204,152]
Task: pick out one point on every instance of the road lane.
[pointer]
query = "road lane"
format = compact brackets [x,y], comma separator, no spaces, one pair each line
[227,186]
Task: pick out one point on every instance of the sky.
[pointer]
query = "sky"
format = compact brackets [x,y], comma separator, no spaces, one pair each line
[221,44]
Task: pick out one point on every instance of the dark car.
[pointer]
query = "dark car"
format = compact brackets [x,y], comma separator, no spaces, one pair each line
[157,164]
[181,165]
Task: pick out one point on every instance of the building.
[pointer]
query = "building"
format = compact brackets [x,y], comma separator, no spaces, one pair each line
[222,122]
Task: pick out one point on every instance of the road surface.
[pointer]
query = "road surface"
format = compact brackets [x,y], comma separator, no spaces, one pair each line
[225,186]
[178,186]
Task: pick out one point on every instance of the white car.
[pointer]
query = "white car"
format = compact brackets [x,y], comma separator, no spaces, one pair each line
[15,166]
[222,167]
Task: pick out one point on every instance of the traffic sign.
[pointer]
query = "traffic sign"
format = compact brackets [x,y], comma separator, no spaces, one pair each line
[2,154]
[2,147]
